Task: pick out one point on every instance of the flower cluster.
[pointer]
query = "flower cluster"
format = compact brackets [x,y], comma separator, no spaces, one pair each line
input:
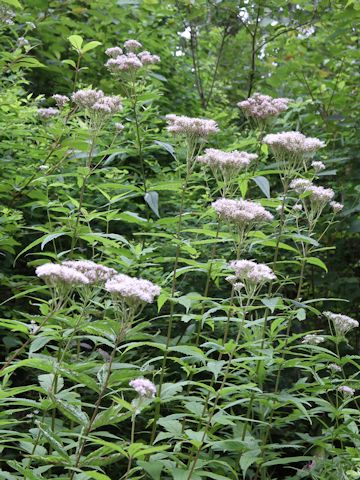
[143,387]
[342,323]
[60,100]
[263,106]
[251,272]
[60,275]
[191,127]
[129,62]
[97,101]
[317,194]
[241,212]
[336,206]
[348,391]
[132,290]
[46,113]
[6,15]
[318,166]
[94,272]
[312,339]
[334,368]
[292,142]
[227,161]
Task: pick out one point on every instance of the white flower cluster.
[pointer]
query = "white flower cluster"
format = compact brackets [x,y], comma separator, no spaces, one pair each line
[127,62]
[7,15]
[318,166]
[342,323]
[59,275]
[312,339]
[262,106]
[193,127]
[241,212]
[336,206]
[227,161]
[317,194]
[97,102]
[46,113]
[131,289]
[60,100]
[94,272]
[292,142]
[347,391]
[143,387]
[251,272]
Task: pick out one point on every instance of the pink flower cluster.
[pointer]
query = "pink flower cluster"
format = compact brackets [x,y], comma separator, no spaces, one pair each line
[46,113]
[144,387]
[122,62]
[252,272]
[241,212]
[318,166]
[94,272]
[336,206]
[233,161]
[346,390]
[194,127]
[342,323]
[318,195]
[131,289]
[60,100]
[263,106]
[56,275]
[292,142]
[97,101]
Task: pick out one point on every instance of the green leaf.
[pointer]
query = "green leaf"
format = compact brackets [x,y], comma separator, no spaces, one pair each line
[54,440]
[76,41]
[317,262]
[13,3]
[248,458]
[52,236]
[73,412]
[263,184]
[96,475]
[152,199]
[90,46]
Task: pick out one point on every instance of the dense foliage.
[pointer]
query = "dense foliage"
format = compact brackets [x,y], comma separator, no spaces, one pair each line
[179,278]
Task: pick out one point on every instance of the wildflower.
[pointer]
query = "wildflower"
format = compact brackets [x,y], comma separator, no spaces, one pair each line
[297,207]
[318,166]
[22,42]
[148,58]
[320,194]
[86,98]
[348,391]
[113,52]
[55,275]
[107,105]
[300,185]
[317,195]
[241,212]
[132,45]
[227,161]
[43,167]
[144,387]
[119,126]
[342,323]
[231,279]
[123,63]
[193,127]
[6,15]
[132,290]
[334,368]
[292,142]
[336,206]
[94,272]
[263,106]
[313,339]
[252,272]
[46,113]
[61,100]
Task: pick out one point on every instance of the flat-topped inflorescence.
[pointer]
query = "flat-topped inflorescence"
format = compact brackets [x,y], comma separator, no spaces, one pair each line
[60,100]
[143,387]
[132,290]
[192,127]
[313,339]
[227,161]
[241,211]
[252,272]
[121,62]
[94,272]
[46,113]
[342,323]
[262,107]
[54,275]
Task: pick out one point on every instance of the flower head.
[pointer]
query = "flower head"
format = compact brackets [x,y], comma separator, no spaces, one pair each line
[144,387]
[119,126]
[148,58]
[241,212]
[86,98]
[318,166]
[348,391]
[55,275]
[61,100]
[94,272]
[342,323]
[263,106]
[113,52]
[131,289]
[252,272]
[292,142]
[194,127]
[124,63]
[132,45]
[46,113]
[336,206]
[233,161]
[334,368]
[6,15]
[313,339]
